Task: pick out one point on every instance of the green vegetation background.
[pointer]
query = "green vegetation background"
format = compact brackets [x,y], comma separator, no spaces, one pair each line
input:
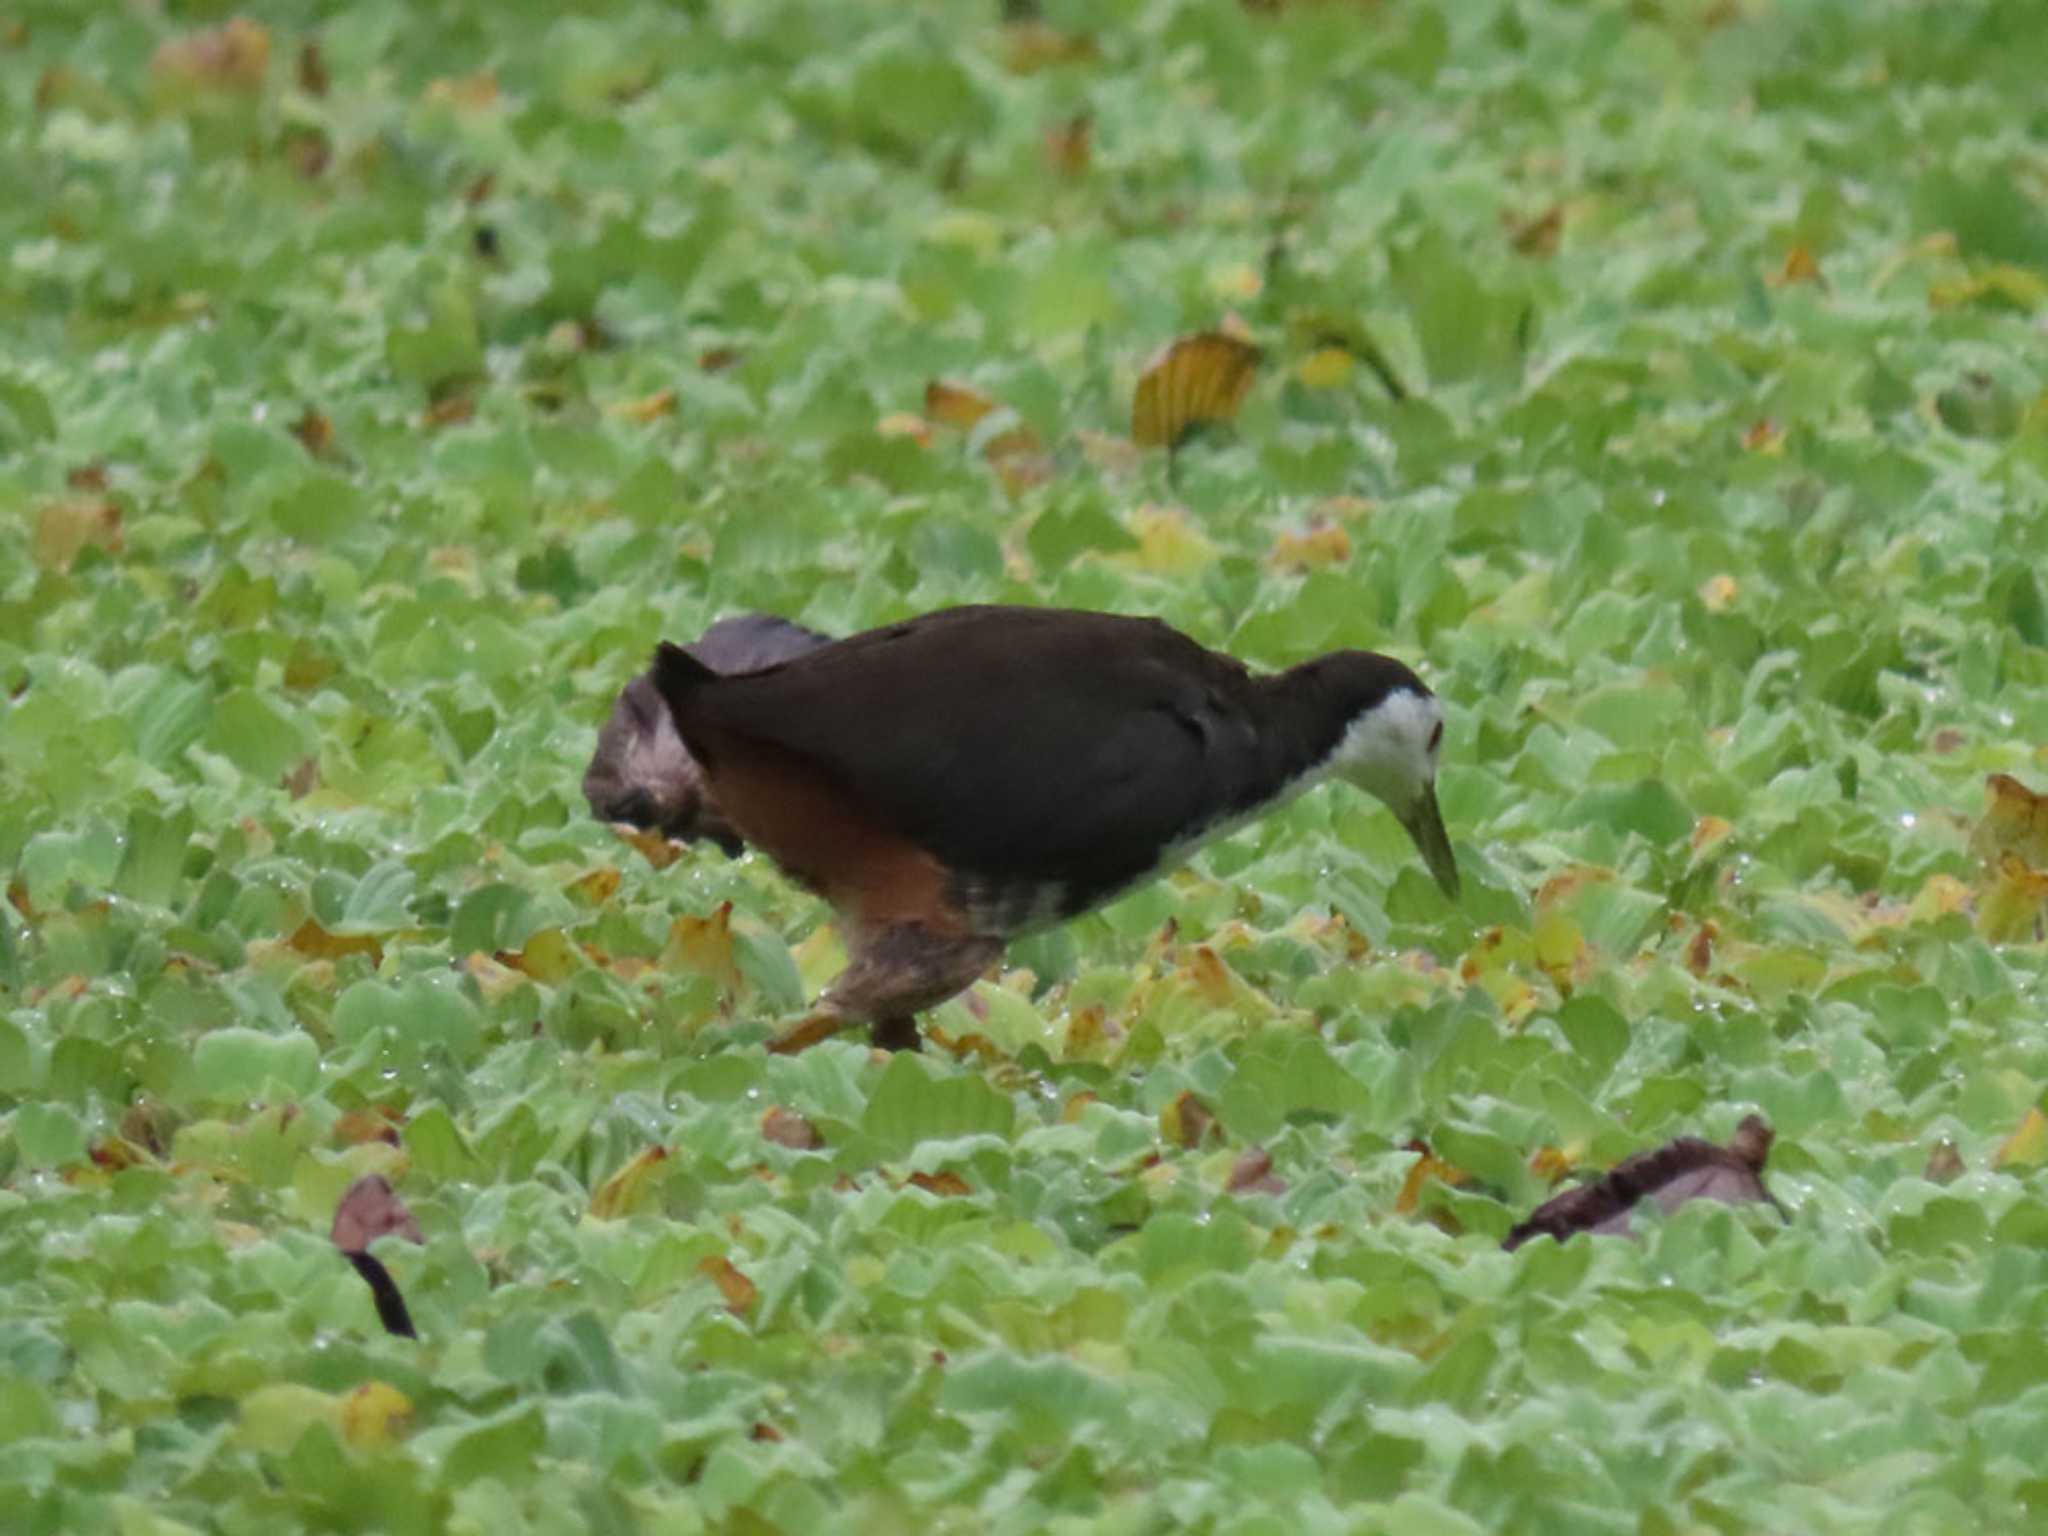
[367,412]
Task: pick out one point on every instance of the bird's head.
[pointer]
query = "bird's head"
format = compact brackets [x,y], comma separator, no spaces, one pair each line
[1389,749]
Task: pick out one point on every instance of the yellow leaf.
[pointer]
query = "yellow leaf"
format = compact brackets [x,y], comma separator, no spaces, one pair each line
[1800,267]
[1561,952]
[627,1190]
[66,526]
[1942,896]
[1428,1167]
[906,424]
[373,1416]
[2010,911]
[274,1417]
[1718,593]
[1324,368]
[2015,820]
[2027,1145]
[465,93]
[1709,833]
[1765,436]
[1168,544]
[645,409]
[1325,544]
[1196,379]
[597,887]
[548,956]
[1238,280]
[704,944]
[657,848]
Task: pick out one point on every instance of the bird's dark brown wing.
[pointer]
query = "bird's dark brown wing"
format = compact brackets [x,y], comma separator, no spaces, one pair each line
[1013,744]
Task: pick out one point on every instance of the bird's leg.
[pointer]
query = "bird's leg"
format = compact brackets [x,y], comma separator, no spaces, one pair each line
[898,1032]
[894,973]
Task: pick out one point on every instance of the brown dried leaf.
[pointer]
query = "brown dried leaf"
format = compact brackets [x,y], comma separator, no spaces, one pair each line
[597,887]
[958,406]
[1190,382]
[1675,1174]
[448,411]
[1800,267]
[2013,909]
[1944,1163]
[315,432]
[1428,1168]
[231,57]
[1188,1122]
[1069,146]
[1538,236]
[787,1128]
[466,93]
[314,79]
[2015,820]
[316,943]
[945,1183]
[359,1127]
[65,527]
[1252,1174]
[739,1292]
[301,781]
[1032,45]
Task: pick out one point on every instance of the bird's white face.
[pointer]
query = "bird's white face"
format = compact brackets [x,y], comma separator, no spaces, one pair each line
[1391,753]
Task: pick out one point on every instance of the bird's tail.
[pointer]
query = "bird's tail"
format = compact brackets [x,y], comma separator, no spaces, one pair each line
[677,676]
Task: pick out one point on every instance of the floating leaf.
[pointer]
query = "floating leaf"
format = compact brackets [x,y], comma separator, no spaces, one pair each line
[1674,1174]
[1945,1161]
[1168,543]
[946,1184]
[1191,382]
[705,945]
[1320,545]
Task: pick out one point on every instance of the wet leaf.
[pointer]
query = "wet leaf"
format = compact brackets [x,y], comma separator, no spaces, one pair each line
[2027,1146]
[1188,1122]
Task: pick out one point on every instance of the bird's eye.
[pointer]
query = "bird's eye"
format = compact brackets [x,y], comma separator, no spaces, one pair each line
[1436,737]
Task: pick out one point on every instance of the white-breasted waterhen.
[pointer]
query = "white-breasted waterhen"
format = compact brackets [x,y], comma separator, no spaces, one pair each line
[951,782]
[642,774]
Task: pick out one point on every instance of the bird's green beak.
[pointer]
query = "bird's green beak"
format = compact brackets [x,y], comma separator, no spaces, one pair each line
[1425,824]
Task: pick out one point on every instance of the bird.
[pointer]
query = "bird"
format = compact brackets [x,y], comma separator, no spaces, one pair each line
[953,781]
[642,774]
